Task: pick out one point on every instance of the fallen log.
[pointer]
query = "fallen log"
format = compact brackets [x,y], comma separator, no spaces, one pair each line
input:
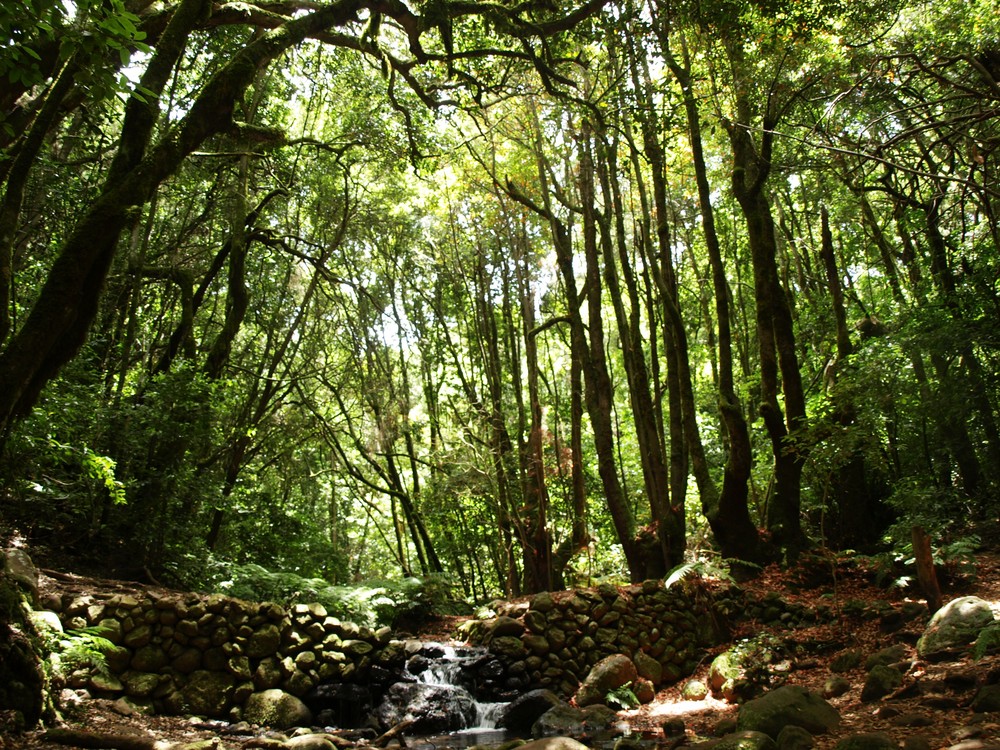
[107,741]
[396,733]
[88,739]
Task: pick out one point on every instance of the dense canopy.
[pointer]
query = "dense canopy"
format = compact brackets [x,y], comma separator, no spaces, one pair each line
[511,295]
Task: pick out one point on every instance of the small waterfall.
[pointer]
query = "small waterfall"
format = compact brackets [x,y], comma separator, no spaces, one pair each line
[445,666]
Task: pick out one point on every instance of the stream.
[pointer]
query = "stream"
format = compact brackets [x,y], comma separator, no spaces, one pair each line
[447,693]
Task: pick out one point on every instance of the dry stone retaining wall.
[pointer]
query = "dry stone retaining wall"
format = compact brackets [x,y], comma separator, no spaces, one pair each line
[553,640]
[206,655]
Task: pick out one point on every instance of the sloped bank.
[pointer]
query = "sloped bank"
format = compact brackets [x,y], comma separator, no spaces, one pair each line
[177,653]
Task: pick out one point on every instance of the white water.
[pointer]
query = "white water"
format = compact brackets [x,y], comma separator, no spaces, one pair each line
[444,671]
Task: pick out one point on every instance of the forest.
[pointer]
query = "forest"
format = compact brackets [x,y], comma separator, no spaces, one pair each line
[500,297]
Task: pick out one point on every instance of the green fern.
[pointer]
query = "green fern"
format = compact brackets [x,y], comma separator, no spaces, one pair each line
[622,697]
[701,568]
[987,641]
[85,648]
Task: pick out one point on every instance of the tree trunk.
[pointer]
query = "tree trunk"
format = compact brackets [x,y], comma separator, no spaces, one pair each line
[538,552]
[669,529]
[728,512]
[775,332]
[599,391]
[853,511]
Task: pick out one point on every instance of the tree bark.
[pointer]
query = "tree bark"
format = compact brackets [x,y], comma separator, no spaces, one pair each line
[727,512]
[775,330]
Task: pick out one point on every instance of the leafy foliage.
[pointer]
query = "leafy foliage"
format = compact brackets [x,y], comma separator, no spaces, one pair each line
[622,697]
[374,604]
[84,648]
[988,641]
[358,332]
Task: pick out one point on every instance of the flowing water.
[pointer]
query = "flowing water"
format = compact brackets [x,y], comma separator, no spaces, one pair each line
[448,669]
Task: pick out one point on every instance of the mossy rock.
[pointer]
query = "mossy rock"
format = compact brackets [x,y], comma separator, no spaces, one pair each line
[790,705]
[867,741]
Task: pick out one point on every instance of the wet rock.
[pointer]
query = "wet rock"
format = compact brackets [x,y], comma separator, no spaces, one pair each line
[432,708]
[524,711]
[568,721]
[553,743]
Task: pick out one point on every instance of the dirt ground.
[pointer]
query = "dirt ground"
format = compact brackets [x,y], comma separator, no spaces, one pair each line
[930,711]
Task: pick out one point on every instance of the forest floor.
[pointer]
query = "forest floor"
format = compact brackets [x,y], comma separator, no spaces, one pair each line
[929,712]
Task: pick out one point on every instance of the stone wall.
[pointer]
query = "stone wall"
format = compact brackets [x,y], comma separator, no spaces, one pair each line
[206,655]
[553,640]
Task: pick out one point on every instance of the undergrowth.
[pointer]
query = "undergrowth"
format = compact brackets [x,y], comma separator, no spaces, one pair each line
[374,603]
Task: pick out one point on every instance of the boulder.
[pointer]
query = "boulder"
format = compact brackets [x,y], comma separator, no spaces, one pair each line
[958,623]
[648,667]
[45,622]
[566,721]
[724,674]
[886,657]
[794,738]
[309,742]
[553,743]
[835,687]
[608,674]
[987,700]
[268,674]
[505,626]
[673,727]
[18,566]
[694,690]
[277,709]
[521,714]
[867,741]
[342,704]
[880,682]
[433,709]
[140,684]
[790,705]
[208,693]
[264,641]
[747,740]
